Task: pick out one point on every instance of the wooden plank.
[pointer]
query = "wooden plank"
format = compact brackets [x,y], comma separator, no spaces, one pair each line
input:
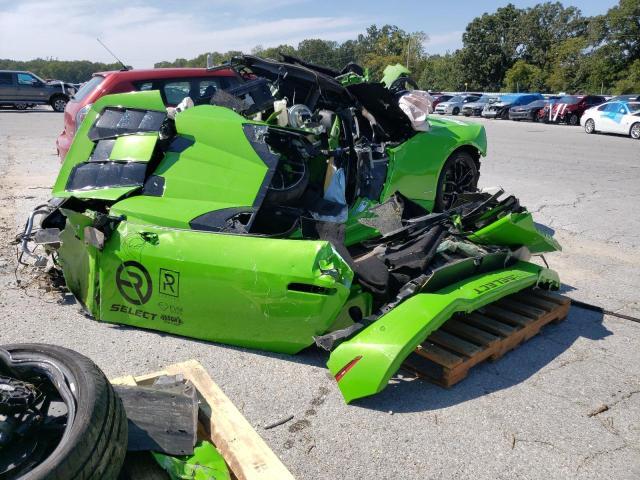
[245,451]
[520,308]
[508,316]
[454,343]
[550,296]
[470,333]
[528,299]
[509,328]
[162,420]
[438,355]
[488,324]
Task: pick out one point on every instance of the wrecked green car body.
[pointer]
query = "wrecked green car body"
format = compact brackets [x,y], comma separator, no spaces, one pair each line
[219,225]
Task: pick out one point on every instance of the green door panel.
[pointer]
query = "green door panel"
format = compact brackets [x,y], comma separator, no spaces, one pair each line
[270,294]
[377,352]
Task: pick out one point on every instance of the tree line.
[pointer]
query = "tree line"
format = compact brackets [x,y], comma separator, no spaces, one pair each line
[547,47]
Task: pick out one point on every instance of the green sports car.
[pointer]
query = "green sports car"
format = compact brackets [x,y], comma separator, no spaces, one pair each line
[300,207]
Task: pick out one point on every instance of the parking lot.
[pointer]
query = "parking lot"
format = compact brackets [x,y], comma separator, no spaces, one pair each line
[533,414]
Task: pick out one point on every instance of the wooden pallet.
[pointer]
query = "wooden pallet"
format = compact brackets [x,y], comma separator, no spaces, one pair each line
[219,421]
[465,340]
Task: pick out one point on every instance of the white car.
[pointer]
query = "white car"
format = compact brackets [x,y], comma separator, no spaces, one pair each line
[454,105]
[613,117]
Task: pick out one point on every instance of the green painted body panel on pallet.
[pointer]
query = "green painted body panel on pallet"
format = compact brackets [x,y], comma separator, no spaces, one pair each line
[384,345]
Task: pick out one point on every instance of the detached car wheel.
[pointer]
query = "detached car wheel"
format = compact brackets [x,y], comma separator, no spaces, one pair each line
[459,174]
[590,126]
[64,419]
[634,132]
[59,103]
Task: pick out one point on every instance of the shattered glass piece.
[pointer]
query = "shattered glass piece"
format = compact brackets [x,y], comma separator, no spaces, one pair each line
[387,217]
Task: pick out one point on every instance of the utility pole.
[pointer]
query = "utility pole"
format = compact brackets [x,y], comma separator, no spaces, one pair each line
[408,50]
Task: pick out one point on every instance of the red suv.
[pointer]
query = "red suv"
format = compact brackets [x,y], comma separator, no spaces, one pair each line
[569,108]
[174,85]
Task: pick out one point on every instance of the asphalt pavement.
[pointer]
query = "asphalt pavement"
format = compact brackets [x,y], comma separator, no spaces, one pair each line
[531,415]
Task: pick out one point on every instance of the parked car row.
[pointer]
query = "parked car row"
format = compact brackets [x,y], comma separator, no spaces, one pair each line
[619,115]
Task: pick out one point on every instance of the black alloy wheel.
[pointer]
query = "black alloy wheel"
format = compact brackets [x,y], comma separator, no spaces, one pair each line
[459,174]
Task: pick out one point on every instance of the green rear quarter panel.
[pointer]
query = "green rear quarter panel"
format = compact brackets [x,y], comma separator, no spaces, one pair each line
[415,165]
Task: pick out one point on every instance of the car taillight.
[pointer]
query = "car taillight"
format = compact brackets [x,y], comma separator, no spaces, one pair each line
[344,370]
[81,114]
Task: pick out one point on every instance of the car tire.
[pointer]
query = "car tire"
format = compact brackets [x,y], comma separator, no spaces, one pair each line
[634,131]
[590,126]
[461,160]
[574,120]
[20,106]
[456,111]
[96,444]
[58,103]
[505,115]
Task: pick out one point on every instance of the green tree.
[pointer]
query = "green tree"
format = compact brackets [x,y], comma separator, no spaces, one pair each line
[490,47]
[629,80]
[543,26]
[442,72]
[524,77]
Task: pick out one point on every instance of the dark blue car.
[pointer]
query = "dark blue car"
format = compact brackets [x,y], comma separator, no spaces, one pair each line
[500,109]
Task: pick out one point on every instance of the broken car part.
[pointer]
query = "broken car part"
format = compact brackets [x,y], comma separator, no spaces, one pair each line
[59,416]
[221,226]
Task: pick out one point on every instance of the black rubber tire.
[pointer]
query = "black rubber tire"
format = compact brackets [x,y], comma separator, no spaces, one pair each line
[58,103]
[440,201]
[634,131]
[455,111]
[573,120]
[97,443]
[505,115]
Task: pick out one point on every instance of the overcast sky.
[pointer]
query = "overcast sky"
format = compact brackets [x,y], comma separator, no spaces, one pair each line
[143,32]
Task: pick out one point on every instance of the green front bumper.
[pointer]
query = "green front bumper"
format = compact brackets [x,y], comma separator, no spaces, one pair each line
[365,363]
